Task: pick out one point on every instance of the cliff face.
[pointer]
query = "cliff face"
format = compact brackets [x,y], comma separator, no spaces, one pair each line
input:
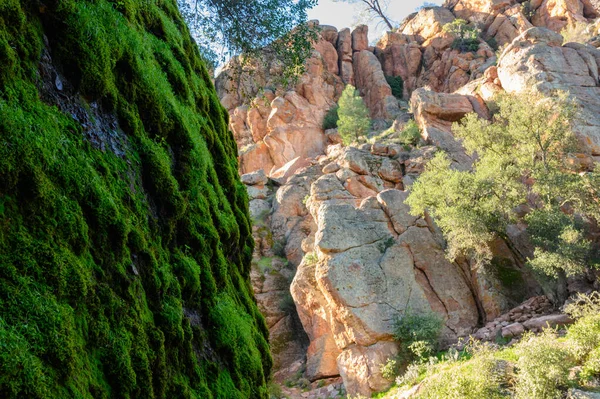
[125,240]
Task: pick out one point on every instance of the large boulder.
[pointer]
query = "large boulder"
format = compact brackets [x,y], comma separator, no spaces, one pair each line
[435,113]
[344,49]
[372,84]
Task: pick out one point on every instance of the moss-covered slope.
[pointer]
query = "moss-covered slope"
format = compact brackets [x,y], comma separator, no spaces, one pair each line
[124,236]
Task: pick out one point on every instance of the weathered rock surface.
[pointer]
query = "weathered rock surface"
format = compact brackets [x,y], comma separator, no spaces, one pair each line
[370,260]
[420,52]
[371,82]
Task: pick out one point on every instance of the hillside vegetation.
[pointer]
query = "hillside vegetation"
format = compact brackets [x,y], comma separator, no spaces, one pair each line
[125,241]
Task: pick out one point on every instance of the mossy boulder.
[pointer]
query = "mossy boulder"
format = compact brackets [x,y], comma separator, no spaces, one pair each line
[125,241]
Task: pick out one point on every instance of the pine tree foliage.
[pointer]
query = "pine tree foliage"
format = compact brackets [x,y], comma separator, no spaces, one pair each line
[354,118]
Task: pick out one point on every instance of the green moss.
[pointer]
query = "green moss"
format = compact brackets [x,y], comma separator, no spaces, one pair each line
[121,274]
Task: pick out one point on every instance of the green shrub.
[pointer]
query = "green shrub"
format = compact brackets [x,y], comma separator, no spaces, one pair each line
[330,121]
[467,37]
[275,391]
[397,85]
[578,32]
[389,370]
[543,366]
[584,335]
[493,43]
[354,118]
[411,134]
[311,258]
[473,208]
[418,334]
[411,375]
[481,377]
[591,367]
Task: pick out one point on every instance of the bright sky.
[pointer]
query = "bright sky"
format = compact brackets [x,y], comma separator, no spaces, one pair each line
[343,15]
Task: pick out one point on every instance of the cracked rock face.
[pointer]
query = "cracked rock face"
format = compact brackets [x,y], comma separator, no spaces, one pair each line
[370,260]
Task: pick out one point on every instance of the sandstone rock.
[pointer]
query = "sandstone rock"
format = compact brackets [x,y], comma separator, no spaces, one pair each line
[371,82]
[287,170]
[392,202]
[512,330]
[580,394]
[360,39]
[428,23]
[435,113]
[329,33]
[556,14]
[275,130]
[331,167]
[550,321]
[329,54]
[361,367]
[255,157]
[257,192]
[358,187]
[390,170]
[344,227]
[259,208]
[315,316]
[344,49]
[254,178]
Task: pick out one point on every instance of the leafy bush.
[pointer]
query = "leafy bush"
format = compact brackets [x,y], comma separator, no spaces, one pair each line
[397,85]
[411,375]
[330,121]
[560,242]
[543,366]
[538,367]
[467,37]
[482,377]
[354,118]
[275,391]
[418,333]
[584,335]
[311,258]
[578,32]
[529,135]
[411,134]
[389,369]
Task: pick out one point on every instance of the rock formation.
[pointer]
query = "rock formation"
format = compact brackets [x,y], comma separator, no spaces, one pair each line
[332,220]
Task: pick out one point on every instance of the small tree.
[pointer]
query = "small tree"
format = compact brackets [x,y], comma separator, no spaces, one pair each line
[330,120]
[374,10]
[467,37]
[354,118]
[522,160]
